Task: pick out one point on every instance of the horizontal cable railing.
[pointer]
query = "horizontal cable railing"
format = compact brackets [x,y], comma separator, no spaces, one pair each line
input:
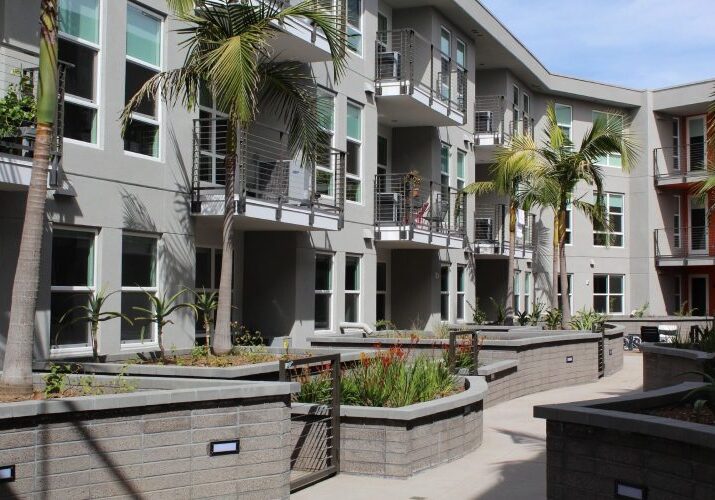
[683,242]
[336,7]
[406,59]
[523,126]
[489,120]
[265,168]
[491,230]
[405,200]
[685,160]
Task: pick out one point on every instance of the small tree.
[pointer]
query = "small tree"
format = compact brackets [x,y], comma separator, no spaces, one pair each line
[93,314]
[161,308]
[204,308]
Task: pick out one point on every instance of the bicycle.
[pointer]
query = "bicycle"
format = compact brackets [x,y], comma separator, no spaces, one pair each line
[632,343]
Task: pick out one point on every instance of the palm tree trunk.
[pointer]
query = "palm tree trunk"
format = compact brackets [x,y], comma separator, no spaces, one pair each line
[509,308]
[565,305]
[17,365]
[95,349]
[555,264]
[222,331]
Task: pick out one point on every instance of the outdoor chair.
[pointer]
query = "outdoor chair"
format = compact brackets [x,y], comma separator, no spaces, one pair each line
[650,334]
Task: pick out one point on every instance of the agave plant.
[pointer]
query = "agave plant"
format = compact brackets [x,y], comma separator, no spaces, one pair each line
[204,307]
[703,395]
[586,319]
[161,308]
[93,314]
[553,318]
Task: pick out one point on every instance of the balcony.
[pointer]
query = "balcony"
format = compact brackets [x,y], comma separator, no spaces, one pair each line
[415,84]
[687,246]
[17,145]
[491,233]
[675,167]
[273,191]
[413,213]
[300,40]
[491,128]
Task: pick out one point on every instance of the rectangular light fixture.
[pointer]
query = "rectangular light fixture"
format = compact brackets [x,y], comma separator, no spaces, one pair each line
[7,473]
[630,491]
[569,359]
[231,447]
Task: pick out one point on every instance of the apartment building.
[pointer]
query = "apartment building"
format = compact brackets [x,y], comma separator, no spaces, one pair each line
[377,229]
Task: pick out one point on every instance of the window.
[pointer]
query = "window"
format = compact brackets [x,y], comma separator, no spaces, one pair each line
[211,130]
[353,159]
[525,109]
[608,293]
[527,291]
[615,119]
[461,59]
[325,168]
[445,47]
[610,236]
[139,257]
[323,291]
[676,144]
[515,109]
[444,170]
[677,294]
[569,222]
[461,171]
[78,44]
[517,291]
[484,122]
[564,119]
[382,32]
[461,54]
[676,222]
[352,288]
[461,291]
[72,284]
[208,276]
[444,293]
[381,289]
[354,28]
[569,285]
[382,161]
[143,62]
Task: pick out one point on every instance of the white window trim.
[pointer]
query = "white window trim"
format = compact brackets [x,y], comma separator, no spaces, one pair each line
[448,173]
[608,293]
[679,226]
[360,157]
[463,154]
[677,136]
[528,283]
[464,47]
[331,293]
[154,342]
[357,292]
[461,295]
[564,125]
[384,292]
[570,228]
[215,157]
[359,30]
[569,280]
[447,292]
[608,232]
[321,168]
[150,120]
[704,118]
[608,116]
[59,351]
[449,32]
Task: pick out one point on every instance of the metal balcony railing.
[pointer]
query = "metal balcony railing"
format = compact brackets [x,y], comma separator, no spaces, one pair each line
[489,120]
[687,160]
[265,169]
[406,58]
[491,231]
[337,8]
[683,242]
[524,126]
[21,79]
[403,200]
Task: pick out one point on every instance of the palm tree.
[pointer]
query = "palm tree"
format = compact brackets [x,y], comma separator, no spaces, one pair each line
[228,50]
[567,168]
[511,178]
[17,365]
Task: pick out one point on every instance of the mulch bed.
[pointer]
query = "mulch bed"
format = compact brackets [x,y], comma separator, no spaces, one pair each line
[684,412]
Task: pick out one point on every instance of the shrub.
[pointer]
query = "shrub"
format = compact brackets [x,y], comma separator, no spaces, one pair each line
[586,319]
[553,318]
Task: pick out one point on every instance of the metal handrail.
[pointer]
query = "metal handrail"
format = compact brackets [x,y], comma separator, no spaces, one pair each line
[686,241]
[687,160]
[491,230]
[489,116]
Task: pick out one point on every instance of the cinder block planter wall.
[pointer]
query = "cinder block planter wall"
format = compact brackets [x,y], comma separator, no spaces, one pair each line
[633,325]
[595,446]
[664,366]
[150,443]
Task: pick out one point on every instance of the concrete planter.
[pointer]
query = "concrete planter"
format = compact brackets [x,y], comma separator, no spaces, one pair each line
[595,446]
[398,442]
[633,325]
[259,371]
[154,442]
[664,366]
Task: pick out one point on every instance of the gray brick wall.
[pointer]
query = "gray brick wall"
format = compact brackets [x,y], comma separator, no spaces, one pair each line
[585,462]
[662,370]
[154,452]
[613,354]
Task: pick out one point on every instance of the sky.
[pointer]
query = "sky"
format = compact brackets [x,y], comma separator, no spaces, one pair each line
[635,43]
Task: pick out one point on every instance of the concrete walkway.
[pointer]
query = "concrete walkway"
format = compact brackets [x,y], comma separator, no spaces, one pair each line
[510,464]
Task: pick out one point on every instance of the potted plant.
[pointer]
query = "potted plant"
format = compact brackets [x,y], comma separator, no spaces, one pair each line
[18,107]
[413,183]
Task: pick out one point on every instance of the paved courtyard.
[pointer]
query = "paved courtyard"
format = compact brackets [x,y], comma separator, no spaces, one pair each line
[510,464]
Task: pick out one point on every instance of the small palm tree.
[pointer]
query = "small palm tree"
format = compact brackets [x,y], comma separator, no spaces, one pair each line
[93,314]
[161,308]
[228,50]
[204,307]
[511,178]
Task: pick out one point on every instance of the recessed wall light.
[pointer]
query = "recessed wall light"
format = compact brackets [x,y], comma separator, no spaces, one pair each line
[7,473]
[231,447]
[630,491]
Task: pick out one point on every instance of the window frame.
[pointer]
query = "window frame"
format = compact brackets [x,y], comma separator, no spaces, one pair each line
[329,292]
[379,292]
[516,305]
[154,342]
[322,168]
[215,114]
[355,292]
[608,294]
[59,351]
[608,232]
[444,315]
[564,125]
[527,291]
[461,292]
[358,31]
[609,115]
[515,107]
[569,224]
[677,137]
[677,223]
[359,143]
[569,285]
[141,117]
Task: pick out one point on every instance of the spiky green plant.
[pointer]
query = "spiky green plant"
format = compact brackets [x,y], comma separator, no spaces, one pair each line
[586,319]
[161,308]
[204,307]
[93,313]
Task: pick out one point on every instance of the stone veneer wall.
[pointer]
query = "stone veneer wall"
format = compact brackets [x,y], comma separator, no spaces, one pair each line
[665,366]
[613,350]
[150,450]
